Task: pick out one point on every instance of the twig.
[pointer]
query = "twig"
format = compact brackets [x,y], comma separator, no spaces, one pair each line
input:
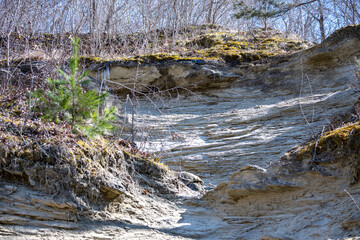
[301,109]
[317,141]
[311,92]
[42,149]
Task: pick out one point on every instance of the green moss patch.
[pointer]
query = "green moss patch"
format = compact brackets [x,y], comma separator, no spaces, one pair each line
[338,146]
[340,140]
[215,43]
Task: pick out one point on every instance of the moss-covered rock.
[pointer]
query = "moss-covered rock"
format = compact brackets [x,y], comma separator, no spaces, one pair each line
[336,141]
[338,145]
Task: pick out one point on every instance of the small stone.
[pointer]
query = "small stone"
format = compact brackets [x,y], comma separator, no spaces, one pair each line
[10,188]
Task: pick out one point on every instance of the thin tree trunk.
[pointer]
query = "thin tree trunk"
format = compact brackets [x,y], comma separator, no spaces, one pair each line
[209,15]
[93,25]
[321,21]
[109,17]
[93,19]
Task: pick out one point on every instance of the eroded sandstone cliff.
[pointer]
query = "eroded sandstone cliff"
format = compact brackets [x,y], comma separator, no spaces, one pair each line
[300,196]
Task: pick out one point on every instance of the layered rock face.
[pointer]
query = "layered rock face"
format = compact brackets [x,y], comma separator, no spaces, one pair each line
[241,108]
[311,193]
[275,71]
[184,75]
[203,64]
[300,196]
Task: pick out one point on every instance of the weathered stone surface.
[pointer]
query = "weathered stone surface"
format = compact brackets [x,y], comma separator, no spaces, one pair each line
[303,200]
[277,73]
[22,206]
[254,180]
[303,194]
[191,180]
[51,223]
[181,75]
[298,197]
[110,193]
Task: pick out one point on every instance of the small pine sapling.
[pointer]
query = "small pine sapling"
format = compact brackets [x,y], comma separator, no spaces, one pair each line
[66,100]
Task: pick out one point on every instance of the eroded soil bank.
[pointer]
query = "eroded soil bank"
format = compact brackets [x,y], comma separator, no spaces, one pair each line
[253,115]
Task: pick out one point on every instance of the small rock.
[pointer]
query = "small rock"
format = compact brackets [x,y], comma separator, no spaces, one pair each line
[10,188]
[111,192]
[253,168]
[189,177]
